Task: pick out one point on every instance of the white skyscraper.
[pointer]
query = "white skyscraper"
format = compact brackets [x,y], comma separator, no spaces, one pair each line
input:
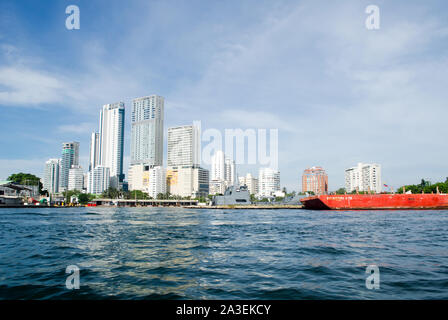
[185,177]
[184,146]
[268,182]
[218,166]
[222,170]
[70,157]
[111,140]
[147,131]
[76,178]
[98,180]
[94,150]
[229,172]
[364,177]
[51,176]
[157,181]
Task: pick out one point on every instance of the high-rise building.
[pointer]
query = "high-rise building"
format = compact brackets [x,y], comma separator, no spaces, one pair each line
[70,157]
[184,175]
[184,146]
[94,150]
[218,166]
[364,177]
[51,176]
[268,182]
[229,172]
[76,178]
[222,169]
[315,180]
[157,181]
[250,182]
[111,141]
[98,180]
[147,130]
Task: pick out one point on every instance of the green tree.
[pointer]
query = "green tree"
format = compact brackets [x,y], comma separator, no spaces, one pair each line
[26,179]
[110,193]
[84,198]
[341,191]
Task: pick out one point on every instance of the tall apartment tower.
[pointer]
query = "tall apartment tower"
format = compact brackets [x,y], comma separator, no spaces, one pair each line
[223,169]
[315,180]
[229,172]
[76,178]
[70,157]
[111,141]
[94,150]
[268,182]
[218,166]
[364,177]
[184,146]
[98,180]
[51,176]
[184,175]
[147,131]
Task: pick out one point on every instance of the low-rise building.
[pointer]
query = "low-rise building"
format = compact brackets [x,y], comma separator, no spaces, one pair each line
[364,177]
[315,180]
[187,181]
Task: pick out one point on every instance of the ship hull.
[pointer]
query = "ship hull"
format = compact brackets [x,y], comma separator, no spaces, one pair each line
[377,202]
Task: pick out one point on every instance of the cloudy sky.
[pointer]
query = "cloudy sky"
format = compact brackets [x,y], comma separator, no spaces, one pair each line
[338,93]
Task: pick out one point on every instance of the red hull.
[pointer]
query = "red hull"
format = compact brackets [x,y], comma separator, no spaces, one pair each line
[376,202]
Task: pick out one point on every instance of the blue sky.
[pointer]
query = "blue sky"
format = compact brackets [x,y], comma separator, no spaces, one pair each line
[338,93]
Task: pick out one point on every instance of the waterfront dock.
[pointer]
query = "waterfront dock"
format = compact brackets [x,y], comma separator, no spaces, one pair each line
[250,206]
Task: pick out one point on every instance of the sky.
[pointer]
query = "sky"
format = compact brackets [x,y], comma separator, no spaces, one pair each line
[337,92]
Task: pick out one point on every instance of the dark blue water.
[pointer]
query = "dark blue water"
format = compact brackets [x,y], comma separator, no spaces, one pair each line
[164,253]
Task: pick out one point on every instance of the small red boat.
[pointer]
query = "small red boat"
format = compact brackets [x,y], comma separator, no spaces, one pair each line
[376,202]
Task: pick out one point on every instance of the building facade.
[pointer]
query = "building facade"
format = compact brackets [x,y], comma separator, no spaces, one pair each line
[151,180]
[111,141]
[69,158]
[268,182]
[315,180]
[98,180]
[94,150]
[229,172]
[222,169]
[218,166]
[187,181]
[76,178]
[147,131]
[364,178]
[217,187]
[250,182]
[184,146]
[51,176]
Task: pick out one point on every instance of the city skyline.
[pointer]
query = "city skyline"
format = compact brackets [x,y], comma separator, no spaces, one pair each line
[365,108]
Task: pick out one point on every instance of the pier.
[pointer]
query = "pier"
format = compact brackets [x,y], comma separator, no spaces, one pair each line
[143,203]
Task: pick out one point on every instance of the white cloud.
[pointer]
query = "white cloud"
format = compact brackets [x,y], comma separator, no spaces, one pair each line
[83,127]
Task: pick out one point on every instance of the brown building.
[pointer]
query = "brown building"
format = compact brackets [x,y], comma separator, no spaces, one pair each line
[315,180]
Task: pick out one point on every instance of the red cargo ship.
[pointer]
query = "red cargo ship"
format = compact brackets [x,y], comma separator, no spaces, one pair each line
[376,202]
